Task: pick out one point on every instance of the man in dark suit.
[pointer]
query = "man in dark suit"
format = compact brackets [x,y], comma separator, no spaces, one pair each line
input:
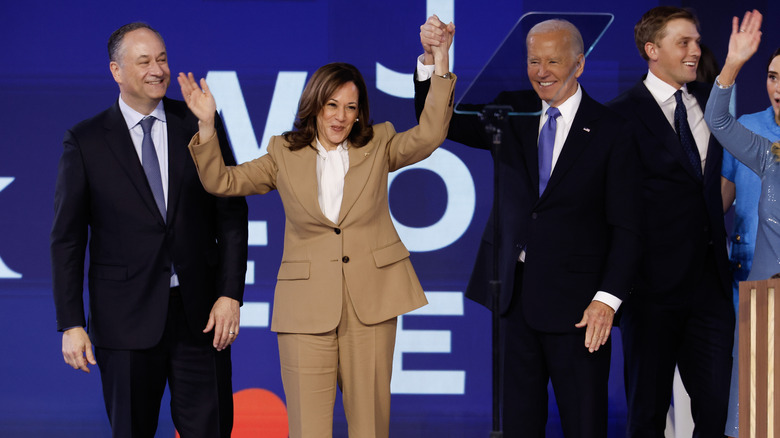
[680,312]
[568,235]
[167,261]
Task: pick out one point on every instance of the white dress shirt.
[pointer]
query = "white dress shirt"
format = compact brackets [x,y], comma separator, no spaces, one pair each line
[159,138]
[663,94]
[332,167]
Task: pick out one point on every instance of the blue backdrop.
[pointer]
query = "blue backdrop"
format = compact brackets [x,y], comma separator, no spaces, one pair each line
[257,56]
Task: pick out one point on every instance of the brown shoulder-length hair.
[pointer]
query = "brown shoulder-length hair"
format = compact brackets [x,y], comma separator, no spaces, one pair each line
[321,86]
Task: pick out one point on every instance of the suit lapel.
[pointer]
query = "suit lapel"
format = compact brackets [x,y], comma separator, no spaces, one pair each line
[121,145]
[577,141]
[177,155]
[301,169]
[654,119]
[360,165]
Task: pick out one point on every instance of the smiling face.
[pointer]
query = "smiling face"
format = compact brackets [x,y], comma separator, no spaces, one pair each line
[553,66]
[675,56]
[141,70]
[336,117]
[773,86]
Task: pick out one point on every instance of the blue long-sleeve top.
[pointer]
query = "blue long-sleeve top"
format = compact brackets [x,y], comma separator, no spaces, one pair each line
[755,152]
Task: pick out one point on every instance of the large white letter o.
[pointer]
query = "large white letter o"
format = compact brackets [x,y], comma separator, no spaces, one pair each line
[461,202]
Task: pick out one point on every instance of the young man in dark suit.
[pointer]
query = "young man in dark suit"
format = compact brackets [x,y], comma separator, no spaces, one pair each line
[568,234]
[680,312]
[167,260]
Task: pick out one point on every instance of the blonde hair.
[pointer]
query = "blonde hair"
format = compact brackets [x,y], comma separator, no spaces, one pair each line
[776,150]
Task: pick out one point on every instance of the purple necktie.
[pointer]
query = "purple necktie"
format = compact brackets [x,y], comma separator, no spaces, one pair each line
[546,143]
[684,133]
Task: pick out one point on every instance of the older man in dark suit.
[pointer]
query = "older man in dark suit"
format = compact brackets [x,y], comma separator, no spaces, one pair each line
[166,260]
[568,235]
[680,312]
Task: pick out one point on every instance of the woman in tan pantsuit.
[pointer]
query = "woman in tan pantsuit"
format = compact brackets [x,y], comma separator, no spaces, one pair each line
[345,275]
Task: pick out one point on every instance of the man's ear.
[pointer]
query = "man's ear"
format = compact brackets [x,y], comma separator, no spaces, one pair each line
[651,49]
[115,71]
[580,67]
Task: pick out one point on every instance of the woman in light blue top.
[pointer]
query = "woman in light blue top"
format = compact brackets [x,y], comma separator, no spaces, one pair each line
[755,151]
[740,182]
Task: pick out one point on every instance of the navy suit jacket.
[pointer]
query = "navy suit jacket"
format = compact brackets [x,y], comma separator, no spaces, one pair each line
[683,215]
[581,236]
[103,201]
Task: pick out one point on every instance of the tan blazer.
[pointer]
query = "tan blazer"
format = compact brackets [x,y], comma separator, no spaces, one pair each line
[363,247]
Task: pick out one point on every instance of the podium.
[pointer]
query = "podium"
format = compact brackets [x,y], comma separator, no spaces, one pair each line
[759,408]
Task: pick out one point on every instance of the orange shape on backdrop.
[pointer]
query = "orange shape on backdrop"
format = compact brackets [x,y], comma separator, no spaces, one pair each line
[259,413]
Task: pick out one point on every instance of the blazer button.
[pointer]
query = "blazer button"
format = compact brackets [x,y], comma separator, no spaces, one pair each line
[533,215]
[337,230]
[737,237]
[345,259]
[739,265]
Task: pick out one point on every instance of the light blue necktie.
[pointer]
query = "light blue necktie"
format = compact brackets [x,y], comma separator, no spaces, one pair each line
[151,164]
[546,143]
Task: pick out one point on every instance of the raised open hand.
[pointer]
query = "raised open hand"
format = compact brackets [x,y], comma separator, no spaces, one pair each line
[743,43]
[745,36]
[199,100]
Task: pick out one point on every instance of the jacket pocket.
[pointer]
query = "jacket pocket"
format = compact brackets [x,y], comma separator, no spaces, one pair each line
[390,254]
[108,272]
[293,271]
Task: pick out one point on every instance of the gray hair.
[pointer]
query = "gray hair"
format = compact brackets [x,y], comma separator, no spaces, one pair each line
[559,24]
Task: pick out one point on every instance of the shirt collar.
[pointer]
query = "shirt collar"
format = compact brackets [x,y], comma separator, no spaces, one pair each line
[133,117]
[661,90]
[322,152]
[569,107]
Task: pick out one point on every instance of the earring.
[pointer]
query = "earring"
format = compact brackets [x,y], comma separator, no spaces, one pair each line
[356,119]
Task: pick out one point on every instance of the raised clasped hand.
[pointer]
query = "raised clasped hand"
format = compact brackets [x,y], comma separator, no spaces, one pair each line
[434,34]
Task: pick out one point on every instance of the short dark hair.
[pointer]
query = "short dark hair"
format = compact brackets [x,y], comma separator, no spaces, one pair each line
[652,26]
[772,58]
[115,40]
[321,86]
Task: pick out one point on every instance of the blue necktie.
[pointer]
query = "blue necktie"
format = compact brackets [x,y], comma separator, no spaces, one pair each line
[684,133]
[546,143]
[151,164]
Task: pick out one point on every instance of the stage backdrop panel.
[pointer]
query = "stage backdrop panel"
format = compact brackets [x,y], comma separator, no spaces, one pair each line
[257,56]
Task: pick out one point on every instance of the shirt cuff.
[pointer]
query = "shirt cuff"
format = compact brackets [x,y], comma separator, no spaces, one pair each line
[424,72]
[608,299]
[721,86]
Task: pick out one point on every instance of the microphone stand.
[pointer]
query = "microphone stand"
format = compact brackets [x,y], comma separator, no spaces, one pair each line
[491,117]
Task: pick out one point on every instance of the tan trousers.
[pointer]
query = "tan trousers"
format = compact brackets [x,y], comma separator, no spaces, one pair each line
[357,357]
